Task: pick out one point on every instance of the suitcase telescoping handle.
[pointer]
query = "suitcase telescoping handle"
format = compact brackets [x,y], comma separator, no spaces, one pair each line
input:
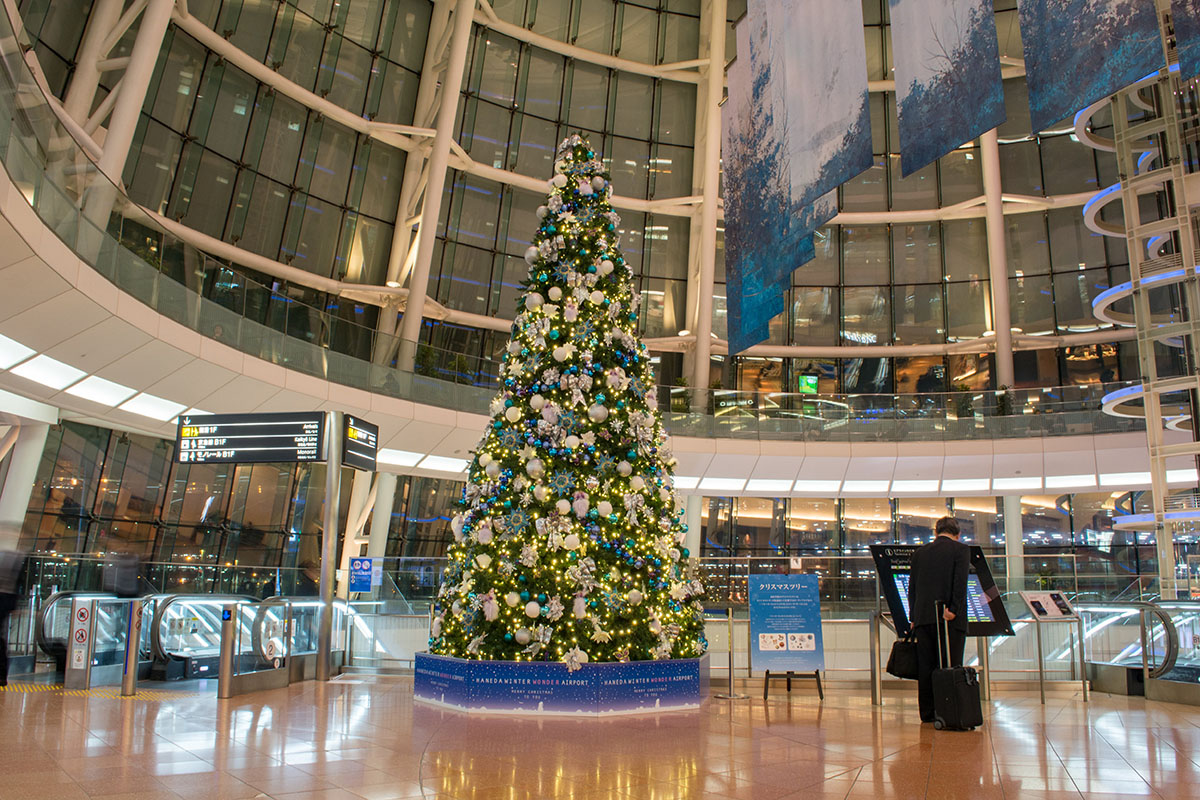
[943,633]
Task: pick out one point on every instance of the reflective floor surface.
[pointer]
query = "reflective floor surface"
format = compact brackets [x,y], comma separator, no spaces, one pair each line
[363,738]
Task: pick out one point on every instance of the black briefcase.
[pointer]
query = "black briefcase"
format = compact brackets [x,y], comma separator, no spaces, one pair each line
[902,663]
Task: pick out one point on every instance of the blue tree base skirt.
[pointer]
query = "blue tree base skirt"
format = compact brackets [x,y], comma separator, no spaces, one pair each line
[525,687]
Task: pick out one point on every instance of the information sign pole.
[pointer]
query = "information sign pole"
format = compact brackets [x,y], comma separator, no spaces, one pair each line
[329,543]
[133,646]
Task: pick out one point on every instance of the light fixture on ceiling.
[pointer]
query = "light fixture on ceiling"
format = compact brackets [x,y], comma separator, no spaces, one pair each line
[716,484]
[13,352]
[685,332]
[99,390]
[443,464]
[48,372]
[398,458]
[148,405]
[393,284]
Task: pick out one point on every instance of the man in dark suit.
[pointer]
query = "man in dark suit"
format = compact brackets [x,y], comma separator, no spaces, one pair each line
[939,575]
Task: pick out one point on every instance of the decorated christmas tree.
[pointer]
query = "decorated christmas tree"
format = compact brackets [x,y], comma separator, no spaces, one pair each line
[568,546]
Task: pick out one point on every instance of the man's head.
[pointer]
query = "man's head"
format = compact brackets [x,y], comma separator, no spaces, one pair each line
[947,526]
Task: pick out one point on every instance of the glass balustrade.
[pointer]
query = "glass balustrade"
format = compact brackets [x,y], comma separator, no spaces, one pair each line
[270,319]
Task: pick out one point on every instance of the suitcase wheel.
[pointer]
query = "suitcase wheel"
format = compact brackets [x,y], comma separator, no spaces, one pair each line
[938,724]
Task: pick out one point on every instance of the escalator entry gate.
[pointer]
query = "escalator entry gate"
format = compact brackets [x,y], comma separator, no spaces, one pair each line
[102,631]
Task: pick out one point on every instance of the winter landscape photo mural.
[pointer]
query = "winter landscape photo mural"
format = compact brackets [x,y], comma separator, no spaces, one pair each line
[948,84]
[1079,51]
[1186,16]
[796,126]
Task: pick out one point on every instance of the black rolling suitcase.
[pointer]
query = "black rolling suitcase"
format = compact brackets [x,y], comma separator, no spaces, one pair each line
[956,703]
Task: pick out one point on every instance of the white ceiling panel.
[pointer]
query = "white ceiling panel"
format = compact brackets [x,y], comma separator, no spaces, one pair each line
[823,468]
[240,395]
[54,321]
[420,437]
[731,465]
[918,467]
[28,284]
[967,466]
[1017,465]
[99,345]
[12,247]
[772,467]
[146,365]
[192,382]
[692,464]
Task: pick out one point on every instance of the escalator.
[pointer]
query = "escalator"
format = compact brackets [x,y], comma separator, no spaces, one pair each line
[185,635]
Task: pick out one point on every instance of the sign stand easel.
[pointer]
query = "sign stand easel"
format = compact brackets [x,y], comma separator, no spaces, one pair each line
[815,675]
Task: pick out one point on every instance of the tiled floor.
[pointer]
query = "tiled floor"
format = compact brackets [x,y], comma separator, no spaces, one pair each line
[363,738]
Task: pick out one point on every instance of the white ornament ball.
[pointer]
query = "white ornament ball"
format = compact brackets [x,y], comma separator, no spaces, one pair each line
[572,441]
[532,300]
[555,293]
[559,180]
[484,535]
[563,507]
[532,609]
[542,211]
[606,267]
[664,494]
[523,636]
[483,560]
[580,607]
[514,347]
[531,254]
[674,553]
[596,297]
[457,523]
[585,189]
[537,402]
[604,507]
[534,468]
[456,608]
[625,468]
[512,599]
[560,354]
[485,459]
[559,166]
[512,413]
[492,470]
[571,541]
[635,597]
[550,414]
[540,493]
[597,183]
[597,413]
[638,483]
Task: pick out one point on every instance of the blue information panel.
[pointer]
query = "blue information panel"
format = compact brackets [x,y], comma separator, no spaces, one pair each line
[360,574]
[785,623]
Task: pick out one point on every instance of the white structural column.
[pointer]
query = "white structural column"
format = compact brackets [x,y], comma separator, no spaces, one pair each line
[18,484]
[401,254]
[997,256]
[712,87]
[439,156]
[693,507]
[381,517]
[128,108]
[85,79]
[1014,543]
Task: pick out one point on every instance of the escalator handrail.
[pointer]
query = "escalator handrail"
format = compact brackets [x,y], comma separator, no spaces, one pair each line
[157,647]
[42,634]
[1170,652]
[258,641]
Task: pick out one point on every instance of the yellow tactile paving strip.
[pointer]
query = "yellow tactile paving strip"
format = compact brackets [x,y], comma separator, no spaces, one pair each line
[111,692]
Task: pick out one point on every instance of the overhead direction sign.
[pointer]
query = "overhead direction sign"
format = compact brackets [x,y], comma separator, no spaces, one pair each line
[360,443]
[250,438]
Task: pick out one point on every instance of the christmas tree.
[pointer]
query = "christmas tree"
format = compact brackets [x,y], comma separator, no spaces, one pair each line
[568,545]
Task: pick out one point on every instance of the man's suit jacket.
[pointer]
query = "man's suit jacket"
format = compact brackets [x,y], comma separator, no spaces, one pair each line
[939,573]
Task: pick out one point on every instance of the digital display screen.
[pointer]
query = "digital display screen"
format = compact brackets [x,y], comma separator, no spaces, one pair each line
[978,609]
[807,384]
[360,443]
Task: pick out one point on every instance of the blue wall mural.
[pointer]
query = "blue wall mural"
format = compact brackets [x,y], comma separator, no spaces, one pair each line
[796,126]
[1186,14]
[1079,51]
[948,84]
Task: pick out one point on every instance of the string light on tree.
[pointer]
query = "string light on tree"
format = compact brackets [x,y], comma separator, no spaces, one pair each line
[568,543]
